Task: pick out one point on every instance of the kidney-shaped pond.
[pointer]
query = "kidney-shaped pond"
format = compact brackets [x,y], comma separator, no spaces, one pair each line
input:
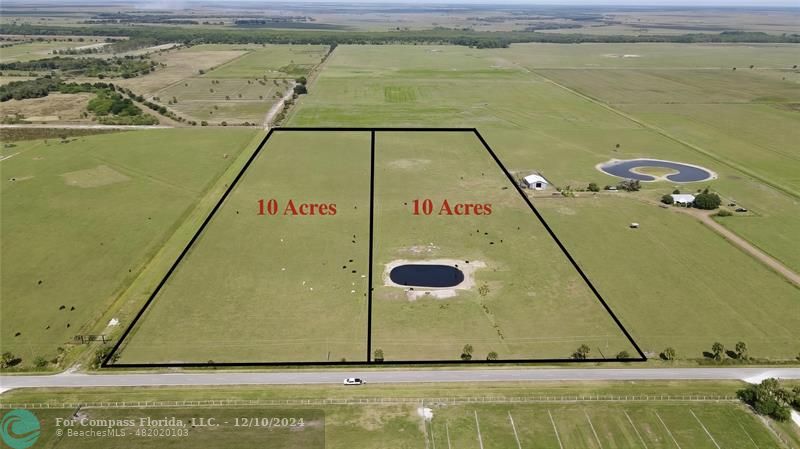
[420,275]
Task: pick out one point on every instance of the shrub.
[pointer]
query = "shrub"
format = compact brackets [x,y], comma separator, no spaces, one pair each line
[723,213]
[101,354]
[581,353]
[623,355]
[378,355]
[491,356]
[40,362]
[466,353]
[707,201]
[593,187]
[768,398]
[630,185]
[8,359]
[667,199]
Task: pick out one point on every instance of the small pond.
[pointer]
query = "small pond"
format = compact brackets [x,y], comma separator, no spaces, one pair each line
[420,275]
[685,172]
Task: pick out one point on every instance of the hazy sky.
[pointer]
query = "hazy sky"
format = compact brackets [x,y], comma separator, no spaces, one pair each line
[730,3]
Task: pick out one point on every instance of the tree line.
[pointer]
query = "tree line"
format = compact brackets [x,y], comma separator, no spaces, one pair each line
[438,35]
[126,67]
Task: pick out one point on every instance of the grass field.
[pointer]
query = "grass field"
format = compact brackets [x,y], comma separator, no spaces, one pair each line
[34,50]
[652,280]
[231,99]
[60,108]
[181,64]
[80,221]
[231,83]
[599,426]
[277,288]
[536,121]
[272,61]
[536,307]
[639,425]
[375,416]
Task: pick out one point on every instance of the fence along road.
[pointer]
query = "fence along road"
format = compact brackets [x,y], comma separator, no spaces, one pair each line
[77,380]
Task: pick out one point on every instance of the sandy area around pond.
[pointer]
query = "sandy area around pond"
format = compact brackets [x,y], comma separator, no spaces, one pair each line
[414,293]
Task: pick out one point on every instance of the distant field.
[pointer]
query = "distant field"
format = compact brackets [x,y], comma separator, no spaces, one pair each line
[80,220]
[744,119]
[215,100]
[34,50]
[53,108]
[540,56]
[535,125]
[8,79]
[272,61]
[181,64]
[232,83]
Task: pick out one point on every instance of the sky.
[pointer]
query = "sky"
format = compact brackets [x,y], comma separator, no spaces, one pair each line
[731,3]
[718,3]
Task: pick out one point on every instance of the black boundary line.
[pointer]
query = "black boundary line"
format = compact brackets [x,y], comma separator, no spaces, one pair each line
[371,235]
[116,347]
[369,362]
[560,245]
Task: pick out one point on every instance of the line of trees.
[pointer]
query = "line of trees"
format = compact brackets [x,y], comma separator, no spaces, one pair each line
[439,35]
[42,87]
[770,399]
[126,67]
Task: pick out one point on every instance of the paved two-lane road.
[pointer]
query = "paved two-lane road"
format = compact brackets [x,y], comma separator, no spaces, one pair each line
[74,380]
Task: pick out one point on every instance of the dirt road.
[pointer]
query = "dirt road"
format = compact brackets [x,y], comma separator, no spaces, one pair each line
[276,108]
[705,217]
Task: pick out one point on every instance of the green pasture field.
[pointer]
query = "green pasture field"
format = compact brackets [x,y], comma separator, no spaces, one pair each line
[607,425]
[644,55]
[744,120]
[365,423]
[34,50]
[264,288]
[242,88]
[652,280]
[613,425]
[536,307]
[216,100]
[272,61]
[536,125]
[200,89]
[81,219]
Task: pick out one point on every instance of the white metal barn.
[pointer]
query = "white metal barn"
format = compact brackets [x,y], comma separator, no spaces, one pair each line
[682,199]
[535,182]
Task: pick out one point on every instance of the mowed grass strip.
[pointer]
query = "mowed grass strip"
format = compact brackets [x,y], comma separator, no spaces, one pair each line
[282,288]
[332,427]
[80,219]
[535,304]
[599,425]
